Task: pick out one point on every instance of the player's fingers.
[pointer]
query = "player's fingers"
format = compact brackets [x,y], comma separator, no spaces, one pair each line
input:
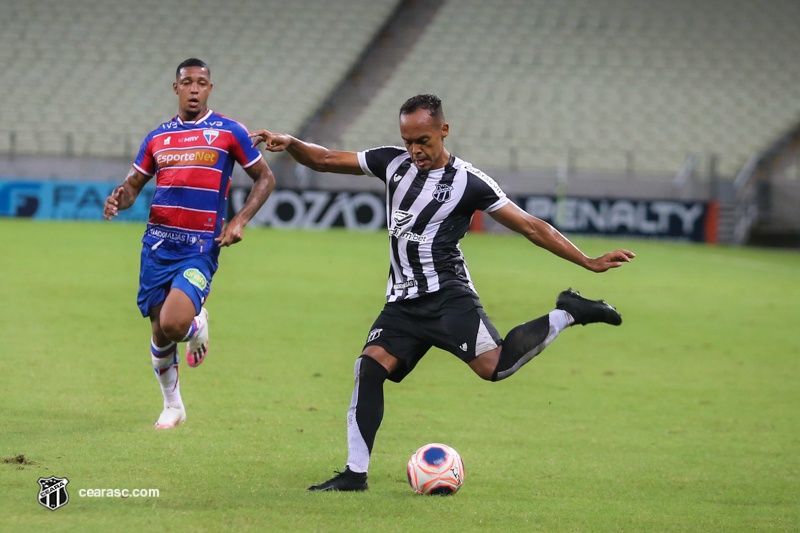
[259,137]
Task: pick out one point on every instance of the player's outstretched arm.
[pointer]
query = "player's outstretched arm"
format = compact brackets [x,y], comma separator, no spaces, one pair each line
[123,196]
[546,236]
[311,155]
[263,185]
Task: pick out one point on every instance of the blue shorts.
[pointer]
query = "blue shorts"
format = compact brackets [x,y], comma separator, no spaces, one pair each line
[160,272]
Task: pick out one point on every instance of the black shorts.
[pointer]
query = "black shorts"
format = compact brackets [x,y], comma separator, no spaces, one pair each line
[452,319]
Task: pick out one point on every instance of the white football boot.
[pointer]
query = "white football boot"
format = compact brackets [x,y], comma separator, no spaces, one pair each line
[171,417]
[197,346]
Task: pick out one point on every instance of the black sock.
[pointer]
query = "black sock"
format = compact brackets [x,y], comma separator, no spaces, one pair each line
[369,399]
[522,344]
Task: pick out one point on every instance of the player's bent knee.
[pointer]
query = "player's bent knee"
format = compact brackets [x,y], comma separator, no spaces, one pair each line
[174,330]
[485,364]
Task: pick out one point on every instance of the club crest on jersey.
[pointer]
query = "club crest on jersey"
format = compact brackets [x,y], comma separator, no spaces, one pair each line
[53,492]
[210,135]
[443,192]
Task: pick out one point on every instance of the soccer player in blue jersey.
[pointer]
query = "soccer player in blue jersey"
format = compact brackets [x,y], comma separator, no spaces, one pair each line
[192,157]
[431,196]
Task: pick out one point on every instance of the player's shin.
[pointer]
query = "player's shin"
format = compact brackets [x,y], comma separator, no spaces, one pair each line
[527,340]
[365,413]
[165,364]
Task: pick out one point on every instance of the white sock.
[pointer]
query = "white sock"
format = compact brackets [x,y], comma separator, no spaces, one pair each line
[560,320]
[165,363]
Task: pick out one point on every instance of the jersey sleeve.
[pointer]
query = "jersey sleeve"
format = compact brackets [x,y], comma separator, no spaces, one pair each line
[145,161]
[243,150]
[375,161]
[486,193]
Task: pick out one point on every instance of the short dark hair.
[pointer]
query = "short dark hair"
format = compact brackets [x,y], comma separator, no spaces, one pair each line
[431,102]
[191,62]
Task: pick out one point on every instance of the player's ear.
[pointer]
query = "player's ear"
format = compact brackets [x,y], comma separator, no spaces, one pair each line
[445,130]
[175,87]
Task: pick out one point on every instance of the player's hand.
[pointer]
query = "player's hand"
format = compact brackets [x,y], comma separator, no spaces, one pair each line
[610,260]
[111,206]
[274,142]
[232,233]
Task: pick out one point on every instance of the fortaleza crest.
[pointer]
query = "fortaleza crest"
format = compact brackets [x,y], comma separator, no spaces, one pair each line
[53,492]
[442,192]
[210,135]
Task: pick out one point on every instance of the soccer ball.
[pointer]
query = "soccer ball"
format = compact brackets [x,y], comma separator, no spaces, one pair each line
[435,469]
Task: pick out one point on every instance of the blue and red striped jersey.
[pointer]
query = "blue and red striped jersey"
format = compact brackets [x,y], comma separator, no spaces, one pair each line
[192,163]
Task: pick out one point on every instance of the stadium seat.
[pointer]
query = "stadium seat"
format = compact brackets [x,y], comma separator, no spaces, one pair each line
[716,77]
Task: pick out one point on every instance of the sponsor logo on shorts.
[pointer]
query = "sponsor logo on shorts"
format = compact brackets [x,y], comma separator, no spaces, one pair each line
[464,347]
[174,236]
[183,158]
[196,278]
[374,334]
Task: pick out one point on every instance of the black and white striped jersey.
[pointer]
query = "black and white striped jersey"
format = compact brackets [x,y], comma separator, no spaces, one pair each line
[427,214]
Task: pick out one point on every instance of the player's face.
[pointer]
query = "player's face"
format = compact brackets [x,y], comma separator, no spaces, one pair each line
[424,136]
[192,87]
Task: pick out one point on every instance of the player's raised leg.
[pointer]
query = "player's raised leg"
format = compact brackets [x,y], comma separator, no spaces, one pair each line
[181,322]
[528,340]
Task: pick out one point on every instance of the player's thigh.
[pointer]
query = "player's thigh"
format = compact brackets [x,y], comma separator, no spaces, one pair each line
[177,313]
[464,329]
[396,334]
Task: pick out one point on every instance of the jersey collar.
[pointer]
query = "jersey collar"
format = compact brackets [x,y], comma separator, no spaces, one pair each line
[198,121]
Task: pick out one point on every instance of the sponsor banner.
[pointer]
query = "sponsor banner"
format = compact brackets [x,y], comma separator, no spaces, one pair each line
[674,219]
[287,208]
[72,200]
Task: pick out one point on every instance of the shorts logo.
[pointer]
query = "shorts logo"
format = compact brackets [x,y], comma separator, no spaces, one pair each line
[463,347]
[374,334]
[53,492]
[196,278]
[443,192]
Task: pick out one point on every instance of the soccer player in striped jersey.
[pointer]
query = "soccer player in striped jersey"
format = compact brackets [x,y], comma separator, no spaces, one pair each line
[192,157]
[431,197]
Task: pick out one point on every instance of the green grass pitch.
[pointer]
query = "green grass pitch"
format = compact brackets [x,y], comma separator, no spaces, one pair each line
[685,418]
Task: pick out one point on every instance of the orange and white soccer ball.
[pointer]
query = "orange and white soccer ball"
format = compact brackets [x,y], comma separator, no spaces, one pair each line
[435,469]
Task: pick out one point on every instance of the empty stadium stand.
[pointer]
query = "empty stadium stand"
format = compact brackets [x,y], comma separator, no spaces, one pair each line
[606,85]
[92,77]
